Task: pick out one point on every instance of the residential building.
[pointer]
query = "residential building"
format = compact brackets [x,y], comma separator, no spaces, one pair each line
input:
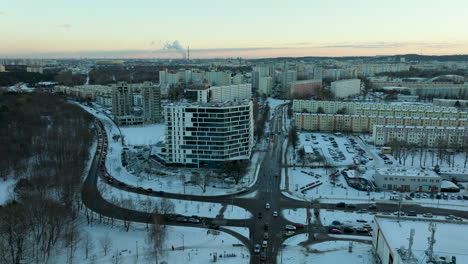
[407,179]
[199,135]
[427,136]
[87,92]
[431,89]
[352,108]
[230,92]
[237,79]
[218,77]
[450,102]
[121,102]
[265,85]
[346,88]
[2,68]
[391,236]
[365,124]
[259,71]
[302,89]
[151,102]
[104,99]
[167,79]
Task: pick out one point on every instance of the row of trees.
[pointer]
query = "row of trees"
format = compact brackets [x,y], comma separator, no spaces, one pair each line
[442,152]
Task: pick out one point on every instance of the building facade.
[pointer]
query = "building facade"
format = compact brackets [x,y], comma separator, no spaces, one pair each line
[200,135]
[407,179]
[346,88]
[421,135]
[230,92]
[121,101]
[304,88]
[365,124]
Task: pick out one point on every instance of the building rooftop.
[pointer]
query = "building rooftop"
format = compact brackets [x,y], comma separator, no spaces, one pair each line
[404,171]
[450,237]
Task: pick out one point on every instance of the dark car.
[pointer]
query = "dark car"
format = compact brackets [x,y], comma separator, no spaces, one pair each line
[341,205]
[336,231]
[181,219]
[348,230]
[298,225]
[213,226]
[336,223]
[351,206]
[265,227]
[259,215]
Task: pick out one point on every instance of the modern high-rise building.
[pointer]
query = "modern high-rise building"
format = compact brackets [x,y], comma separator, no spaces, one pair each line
[200,135]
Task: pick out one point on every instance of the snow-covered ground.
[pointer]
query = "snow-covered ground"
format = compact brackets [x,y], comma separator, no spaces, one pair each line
[6,190]
[347,218]
[143,135]
[244,231]
[325,252]
[182,245]
[298,215]
[185,207]
[170,180]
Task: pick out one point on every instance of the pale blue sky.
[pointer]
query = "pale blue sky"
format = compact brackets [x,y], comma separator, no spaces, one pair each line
[240,28]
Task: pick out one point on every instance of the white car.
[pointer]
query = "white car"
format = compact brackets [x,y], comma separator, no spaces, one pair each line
[265,244]
[290,227]
[428,215]
[267,205]
[275,213]
[257,248]
[289,233]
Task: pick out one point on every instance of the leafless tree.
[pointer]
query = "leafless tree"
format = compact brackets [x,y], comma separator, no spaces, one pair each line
[106,243]
[88,244]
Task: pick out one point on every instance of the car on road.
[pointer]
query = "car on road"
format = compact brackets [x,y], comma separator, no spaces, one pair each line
[289,233]
[450,217]
[361,221]
[213,226]
[267,205]
[411,213]
[428,215]
[275,213]
[149,190]
[297,225]
[265,227]
[401,213]
[341,205]
[194,220]
[263,256]
[259,215]
[257,248]
[348,230]
[336,231]
[265,243]
[265,235]
[362,211]
[372,206]
[351,206]
[290,227]
[181,219]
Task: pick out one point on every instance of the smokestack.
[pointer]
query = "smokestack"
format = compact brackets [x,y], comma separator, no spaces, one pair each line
[188,52]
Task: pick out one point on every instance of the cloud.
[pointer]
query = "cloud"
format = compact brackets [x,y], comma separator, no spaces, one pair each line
[64,26]
[174,46]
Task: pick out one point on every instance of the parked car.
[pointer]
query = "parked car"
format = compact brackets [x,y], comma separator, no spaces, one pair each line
[297,225]
[289,233]
[372,206]
[194,220]
[213,226]
[348,230]
[290,227]
[411,213]
[181,219]
[351,206]
[336,223]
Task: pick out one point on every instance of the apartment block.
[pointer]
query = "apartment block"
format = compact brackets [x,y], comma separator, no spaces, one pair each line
[365,124]
[421,135]
[331,107]
[304,88]
[200,135]
[346,88]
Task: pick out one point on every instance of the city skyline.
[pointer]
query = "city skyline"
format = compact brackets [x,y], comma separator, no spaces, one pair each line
[257,29]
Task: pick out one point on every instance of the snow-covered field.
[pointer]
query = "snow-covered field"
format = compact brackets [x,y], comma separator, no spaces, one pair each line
[244,231]
[143,135]
[185,207]
[182,245]
[325,252]
[347,218]
[6,190]
[298,215]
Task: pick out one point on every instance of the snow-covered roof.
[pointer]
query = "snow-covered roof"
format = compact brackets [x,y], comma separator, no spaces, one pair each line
[308,149]
[450,237]
[449,185]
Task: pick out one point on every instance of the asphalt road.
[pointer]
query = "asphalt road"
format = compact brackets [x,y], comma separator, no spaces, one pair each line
[268,191]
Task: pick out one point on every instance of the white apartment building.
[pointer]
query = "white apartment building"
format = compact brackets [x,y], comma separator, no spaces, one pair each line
[104,99]
[346,88]
[218,77]
[407,179]
[167,79]
[200,135]
[352,108]
[230,92]
[265,85]
[237,79]
[421,135]
[365,124]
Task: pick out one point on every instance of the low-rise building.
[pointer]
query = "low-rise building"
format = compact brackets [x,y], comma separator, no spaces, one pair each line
[407,179]
[391,236]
